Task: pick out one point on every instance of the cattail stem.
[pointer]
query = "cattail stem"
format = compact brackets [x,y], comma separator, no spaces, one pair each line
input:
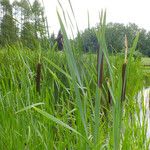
[38,77]
[100,70]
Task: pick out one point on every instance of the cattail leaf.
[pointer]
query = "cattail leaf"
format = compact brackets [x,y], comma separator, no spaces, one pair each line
[57,67]
[63,12]
[74,73]
[57,79]
[29,107]
[88,19]
[133,48]
[57,121]
[73,15]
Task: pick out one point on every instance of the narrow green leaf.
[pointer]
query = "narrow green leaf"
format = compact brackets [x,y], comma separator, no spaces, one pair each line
[29,107]
[57,121]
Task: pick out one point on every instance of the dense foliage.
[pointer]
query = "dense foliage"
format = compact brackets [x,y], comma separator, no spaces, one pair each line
[24,22]
[35,130]
[115,33]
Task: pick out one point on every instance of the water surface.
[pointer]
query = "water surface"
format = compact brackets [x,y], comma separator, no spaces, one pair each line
[144,96]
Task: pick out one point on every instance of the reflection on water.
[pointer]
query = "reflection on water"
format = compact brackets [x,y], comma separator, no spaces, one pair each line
[145,95]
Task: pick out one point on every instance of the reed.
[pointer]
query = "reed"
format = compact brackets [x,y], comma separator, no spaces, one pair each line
[124,71]
[69,112]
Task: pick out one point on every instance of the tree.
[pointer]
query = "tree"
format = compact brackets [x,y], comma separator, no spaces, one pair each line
[32,24]
[39,19]
[90,41]
[144,42]
[115,34]
[6,7]
[28,39]
[131,31]
[22,12]
[8,30]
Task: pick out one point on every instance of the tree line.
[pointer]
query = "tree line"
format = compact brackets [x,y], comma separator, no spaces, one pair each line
[115,34]
[26,23]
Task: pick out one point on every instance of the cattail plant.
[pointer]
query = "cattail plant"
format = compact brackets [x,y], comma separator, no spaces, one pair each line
[108,93]
[100,64]
[124,71]
[38,77]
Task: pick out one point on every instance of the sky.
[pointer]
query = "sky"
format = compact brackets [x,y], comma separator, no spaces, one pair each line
[118,11]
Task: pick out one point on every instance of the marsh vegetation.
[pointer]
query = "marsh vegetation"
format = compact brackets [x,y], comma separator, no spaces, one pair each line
[70,99]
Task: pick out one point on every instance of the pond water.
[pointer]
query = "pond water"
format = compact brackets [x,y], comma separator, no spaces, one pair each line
[144,96]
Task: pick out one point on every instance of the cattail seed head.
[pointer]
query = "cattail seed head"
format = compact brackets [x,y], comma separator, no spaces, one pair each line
[38,77]
[124,82]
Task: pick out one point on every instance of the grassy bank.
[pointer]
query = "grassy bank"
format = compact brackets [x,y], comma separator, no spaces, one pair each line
[71,100]
[146,61]
[52,119]
[146,69]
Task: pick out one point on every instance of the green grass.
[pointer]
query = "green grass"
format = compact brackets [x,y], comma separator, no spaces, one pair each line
[146,69]
[52,120]
[146,61]
[71,110]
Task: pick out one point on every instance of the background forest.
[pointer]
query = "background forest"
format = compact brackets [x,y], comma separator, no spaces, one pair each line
[26,23]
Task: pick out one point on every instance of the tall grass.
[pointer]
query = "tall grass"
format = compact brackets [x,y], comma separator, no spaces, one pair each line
[60,100]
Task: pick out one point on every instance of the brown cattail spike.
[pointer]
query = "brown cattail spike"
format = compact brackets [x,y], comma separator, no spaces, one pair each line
[38,77]
[109,94]
[124,82]
[123,93]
